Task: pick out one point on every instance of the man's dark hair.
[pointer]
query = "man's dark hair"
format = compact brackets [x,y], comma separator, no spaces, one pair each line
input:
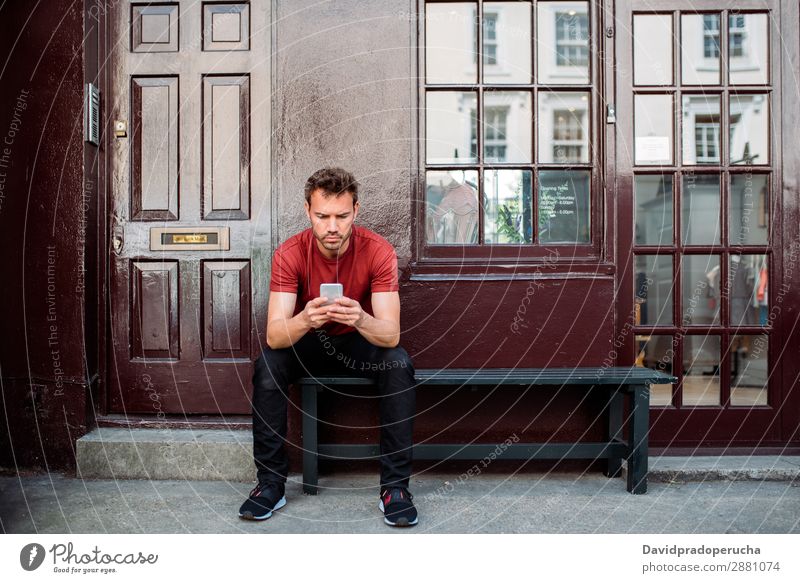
[333,181]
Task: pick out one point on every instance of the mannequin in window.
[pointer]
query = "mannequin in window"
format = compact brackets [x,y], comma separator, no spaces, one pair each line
[455,218]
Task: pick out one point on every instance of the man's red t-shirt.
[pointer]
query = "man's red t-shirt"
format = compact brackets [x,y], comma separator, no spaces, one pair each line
[369,265]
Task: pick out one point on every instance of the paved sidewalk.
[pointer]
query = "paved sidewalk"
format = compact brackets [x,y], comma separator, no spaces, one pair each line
[490,503]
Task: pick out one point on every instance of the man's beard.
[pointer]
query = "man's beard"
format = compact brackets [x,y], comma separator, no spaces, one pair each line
[337,245]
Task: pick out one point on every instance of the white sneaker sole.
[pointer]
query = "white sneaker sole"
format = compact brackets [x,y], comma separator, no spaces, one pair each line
[390,523]
[281,503]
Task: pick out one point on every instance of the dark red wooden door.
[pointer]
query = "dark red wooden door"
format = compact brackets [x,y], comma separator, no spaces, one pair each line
[700,188]
[189,222]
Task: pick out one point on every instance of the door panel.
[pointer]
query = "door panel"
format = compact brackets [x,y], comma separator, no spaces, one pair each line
[226,309]
[189,204]
[155,327]
[226,147]
[154,148]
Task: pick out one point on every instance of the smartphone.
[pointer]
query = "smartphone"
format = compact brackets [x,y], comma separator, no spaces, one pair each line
[331,291]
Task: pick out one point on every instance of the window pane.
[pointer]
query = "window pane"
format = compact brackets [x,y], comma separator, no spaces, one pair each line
[749,370]
[652,49]
[451,210]
[653,194]
[701,370]
[750,123]
[700,209]
[449,43]
[749,209]
[564,127]
[701,115]
[654,283]
[507,206]
[450,127]
[563,206]
[700,49]
[563,42]
[656,352]
[747,49]
[507,42]
[653,123]
[747,282]
[701,286]
[507,126]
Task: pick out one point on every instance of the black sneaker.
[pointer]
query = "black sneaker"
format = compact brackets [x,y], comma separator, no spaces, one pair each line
[264,499]
[398,507]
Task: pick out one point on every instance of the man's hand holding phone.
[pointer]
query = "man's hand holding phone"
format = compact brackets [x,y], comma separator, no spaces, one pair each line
[346,311]
[331,306]
[316,312]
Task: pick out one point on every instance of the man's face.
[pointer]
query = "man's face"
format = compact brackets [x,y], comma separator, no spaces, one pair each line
[331,219]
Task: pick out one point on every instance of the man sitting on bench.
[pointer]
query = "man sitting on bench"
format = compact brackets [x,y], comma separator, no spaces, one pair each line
[357,334]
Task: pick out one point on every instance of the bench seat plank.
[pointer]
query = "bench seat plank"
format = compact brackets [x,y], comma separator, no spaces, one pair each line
[518,376]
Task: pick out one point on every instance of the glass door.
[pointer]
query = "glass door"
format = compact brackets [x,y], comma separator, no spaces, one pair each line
[697,198]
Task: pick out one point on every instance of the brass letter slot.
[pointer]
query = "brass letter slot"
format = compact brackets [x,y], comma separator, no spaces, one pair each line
[189,239]
[194,238]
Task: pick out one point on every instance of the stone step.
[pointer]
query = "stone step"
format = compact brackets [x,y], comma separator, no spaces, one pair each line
[223,454]
[166,454]
[727,467]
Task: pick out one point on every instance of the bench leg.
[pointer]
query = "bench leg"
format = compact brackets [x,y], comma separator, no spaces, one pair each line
[310,458]
[639,427]
[614,433]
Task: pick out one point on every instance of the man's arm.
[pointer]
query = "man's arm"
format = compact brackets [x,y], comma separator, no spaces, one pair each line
[383,329]
[283,330]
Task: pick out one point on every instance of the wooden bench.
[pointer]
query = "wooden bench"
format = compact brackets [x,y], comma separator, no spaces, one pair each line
[620,381]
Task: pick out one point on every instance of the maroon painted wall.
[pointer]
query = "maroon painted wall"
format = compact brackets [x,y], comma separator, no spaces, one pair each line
[47,234]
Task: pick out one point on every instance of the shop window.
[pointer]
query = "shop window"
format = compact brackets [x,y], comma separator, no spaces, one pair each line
[488,182]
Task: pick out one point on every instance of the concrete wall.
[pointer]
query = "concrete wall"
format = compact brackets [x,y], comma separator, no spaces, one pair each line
[342,89]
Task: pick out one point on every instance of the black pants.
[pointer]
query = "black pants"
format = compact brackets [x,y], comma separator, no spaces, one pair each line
[317,353]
